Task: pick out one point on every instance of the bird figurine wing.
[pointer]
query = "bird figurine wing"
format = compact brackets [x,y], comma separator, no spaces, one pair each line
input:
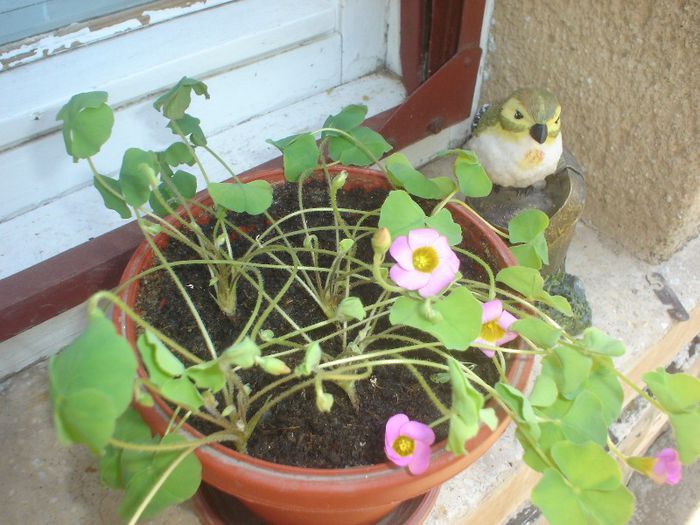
[518,141]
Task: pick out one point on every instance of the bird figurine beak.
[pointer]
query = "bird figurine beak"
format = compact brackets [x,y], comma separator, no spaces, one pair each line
[539,132]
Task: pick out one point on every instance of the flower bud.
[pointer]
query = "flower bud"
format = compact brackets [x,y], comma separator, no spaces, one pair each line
[273,366]
[339,180]
[381,241]
[324,401]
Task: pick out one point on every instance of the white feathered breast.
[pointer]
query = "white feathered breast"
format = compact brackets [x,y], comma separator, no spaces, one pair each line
[516,163]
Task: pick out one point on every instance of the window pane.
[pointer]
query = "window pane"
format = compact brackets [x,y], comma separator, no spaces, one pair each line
[23,18]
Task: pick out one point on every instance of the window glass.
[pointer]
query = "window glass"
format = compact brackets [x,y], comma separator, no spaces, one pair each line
[23,18]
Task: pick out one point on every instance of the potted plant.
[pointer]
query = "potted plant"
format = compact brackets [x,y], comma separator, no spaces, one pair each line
[364,329]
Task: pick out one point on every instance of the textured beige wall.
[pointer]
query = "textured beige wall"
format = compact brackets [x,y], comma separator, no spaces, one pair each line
[627,74]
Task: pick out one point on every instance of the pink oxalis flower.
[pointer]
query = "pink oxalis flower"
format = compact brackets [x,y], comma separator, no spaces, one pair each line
[664,467]
[407,443]
[425,262]
[495,324]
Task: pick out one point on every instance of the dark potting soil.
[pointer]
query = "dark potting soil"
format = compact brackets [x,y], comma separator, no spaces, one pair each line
[294,432]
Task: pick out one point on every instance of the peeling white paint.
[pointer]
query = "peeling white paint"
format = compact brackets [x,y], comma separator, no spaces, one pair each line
[37,48]
[52,43]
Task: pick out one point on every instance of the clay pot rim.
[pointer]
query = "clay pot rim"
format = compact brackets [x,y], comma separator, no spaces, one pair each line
[159,414]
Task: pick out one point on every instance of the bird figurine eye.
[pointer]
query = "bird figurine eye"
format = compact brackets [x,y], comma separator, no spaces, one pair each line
[518,115]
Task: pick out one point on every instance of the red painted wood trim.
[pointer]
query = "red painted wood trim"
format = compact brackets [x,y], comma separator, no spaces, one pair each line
[51,287]
[445,98]
[414,33]
[471,23]
[445,21]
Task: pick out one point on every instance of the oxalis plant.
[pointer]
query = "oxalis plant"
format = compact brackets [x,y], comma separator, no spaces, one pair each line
[414,268]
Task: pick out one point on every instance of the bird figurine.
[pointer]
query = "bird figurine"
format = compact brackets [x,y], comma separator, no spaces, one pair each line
[518,141]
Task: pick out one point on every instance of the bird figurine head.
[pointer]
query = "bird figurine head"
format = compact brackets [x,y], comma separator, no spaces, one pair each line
[519,140]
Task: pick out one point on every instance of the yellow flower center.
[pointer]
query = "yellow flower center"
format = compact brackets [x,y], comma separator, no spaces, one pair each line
[491,331]
[425,259]
[403,446]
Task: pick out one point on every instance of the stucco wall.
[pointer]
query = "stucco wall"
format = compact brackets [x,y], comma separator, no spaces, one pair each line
[628,77]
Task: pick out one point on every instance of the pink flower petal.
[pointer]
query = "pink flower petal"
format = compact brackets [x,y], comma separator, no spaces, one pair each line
[418,432]
[422,237]
[506,319]
[393,427]
[402,253]
[438,280]
[507,337]
[408,279]
[479,341]
[420,458]
[442,247]
[491,311]
[667,468]
[453,262]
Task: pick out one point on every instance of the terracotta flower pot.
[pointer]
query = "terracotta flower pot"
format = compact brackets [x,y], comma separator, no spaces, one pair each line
[284,495]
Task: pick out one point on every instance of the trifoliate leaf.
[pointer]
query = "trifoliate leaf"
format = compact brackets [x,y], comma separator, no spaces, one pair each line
[527,225]
[111,192]
[402,174]
[529,283]
[569,369]
[348,119]
[174,102]
[676,392]
[299,156]
[443,222]
[521,406]
[599,342]
[525,281]
[371,146]
[537,331]
[584,421]
[526,255]
[88,416]
[605,386]
[166,360]
[138,169]
[400,214]
[544,392]
[93,376]
[178,153]
[146,344]
[685,429]
[472,178]
[189,127]
[185,184]
[208,376]
[591,493]
[130,428]
[183,392]
[87,123]
[680,395]
[180,486]
[460,321]
[253,197]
